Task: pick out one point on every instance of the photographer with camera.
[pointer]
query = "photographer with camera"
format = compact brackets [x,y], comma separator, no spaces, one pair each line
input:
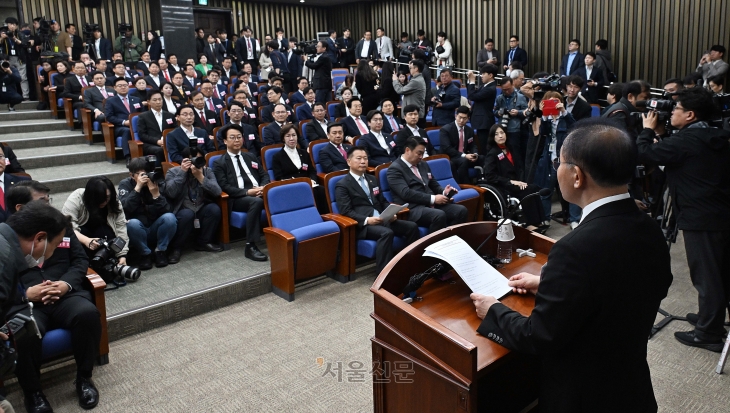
[509,107]
[128,44]
[696,161]
[15,46]
[60,299]
[482,117]
[322,79]
[446,100]
[9,79]
[634,91]
[150,218]
[37,229]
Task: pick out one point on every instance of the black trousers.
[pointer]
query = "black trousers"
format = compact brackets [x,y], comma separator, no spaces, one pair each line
[11,98]
[209,217]
[75,313]
[460,168]
[532,207]
[442,216]
[383,235]
[708,256]
[252,206]
[155,150]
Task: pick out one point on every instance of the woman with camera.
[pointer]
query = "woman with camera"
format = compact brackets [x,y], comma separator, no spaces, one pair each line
[503,171]
[96,214]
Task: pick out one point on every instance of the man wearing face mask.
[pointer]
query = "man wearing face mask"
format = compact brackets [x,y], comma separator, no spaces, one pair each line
[26,240]
[59,298]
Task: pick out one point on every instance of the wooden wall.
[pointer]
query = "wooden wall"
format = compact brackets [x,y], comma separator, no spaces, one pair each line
[649,39]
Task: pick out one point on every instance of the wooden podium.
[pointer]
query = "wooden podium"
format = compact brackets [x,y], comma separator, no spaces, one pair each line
[428,357]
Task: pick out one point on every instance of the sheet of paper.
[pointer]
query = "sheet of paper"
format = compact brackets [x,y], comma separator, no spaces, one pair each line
[391,210]
[481,277]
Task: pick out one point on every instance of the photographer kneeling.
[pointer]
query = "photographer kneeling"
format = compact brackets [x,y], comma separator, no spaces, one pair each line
[697,163]
[60,300]
[150,219]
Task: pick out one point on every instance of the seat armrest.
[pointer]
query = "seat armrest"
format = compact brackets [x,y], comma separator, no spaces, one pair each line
[98,286]
[348,243]
[224,235]
[87,125]
[68,107]
[107,129]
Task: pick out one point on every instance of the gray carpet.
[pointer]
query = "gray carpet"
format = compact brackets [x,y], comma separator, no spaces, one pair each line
[261,356]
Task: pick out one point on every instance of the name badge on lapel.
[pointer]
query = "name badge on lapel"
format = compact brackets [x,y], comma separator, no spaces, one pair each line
[425,140]
[251,137]
[65,243]
[470,140]
[305,167]
[201,141]
[187,92]
[430,176]
[500,156]
[253,116]
[136,106]
[169,121]
[376,190]
[7,161]
[110,93]
[219,106]
[254,165]
[392,144]
[212,121]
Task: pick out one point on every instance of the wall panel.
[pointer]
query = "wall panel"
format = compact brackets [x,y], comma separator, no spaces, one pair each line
[649,39]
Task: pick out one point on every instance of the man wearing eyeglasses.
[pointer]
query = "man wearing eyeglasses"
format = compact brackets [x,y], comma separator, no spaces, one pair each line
[7,181]
[514,54]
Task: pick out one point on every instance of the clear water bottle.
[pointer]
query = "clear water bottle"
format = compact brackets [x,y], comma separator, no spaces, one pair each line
[505,235]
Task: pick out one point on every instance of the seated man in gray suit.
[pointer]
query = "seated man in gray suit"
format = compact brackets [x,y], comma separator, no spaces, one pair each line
[359,197]
[94,96]
[411,182]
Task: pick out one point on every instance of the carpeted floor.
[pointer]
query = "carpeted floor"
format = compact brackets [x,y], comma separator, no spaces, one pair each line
[268,355]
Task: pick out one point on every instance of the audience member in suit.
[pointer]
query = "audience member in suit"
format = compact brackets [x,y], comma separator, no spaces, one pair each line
[333,157]
[274,96]
[333,52]
[166,71]
[279,64]
[317,128]
[582,278]
[94,97]
[380,147]
[120,71]
[154,78]
[298,96]
[228,45]
[292,161]
[359,197]
[411,182]
[250,115]
[251,141]
[411,113]
[304,111]
[152,123]
[712,64]
[7,181]
[144,63]
[573,60]
[592,77]
[213,51]
[272,131]
[294,63]
[204,118]
[504,171]
[75,84]
[457,141]
[355,124]
[191,80]
[347,44]
[169,103]
[210,102]
[514,54]
[322,79]
[366,48]
[12,164]
[391,123]
[249,87]
[446,99]
[247,48]
[187,136]
[117,112]
[482,111]
[63,69]
[219,89]
[155,45]
[59,299]
[101,47]
[242,177]
[180,89]
[574,104]
[341,110]
[227,71]
[140,90]
[488,55]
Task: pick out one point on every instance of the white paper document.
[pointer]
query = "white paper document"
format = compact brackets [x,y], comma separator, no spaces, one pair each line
[481,277]
[392,209]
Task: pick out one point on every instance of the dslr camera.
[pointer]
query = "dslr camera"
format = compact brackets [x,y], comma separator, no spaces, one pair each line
[197,158]
[106,263]
[152,171]
[7,32]
[503,115]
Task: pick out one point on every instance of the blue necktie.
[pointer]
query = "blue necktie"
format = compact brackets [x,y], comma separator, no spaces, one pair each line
[367,192]
[511,56]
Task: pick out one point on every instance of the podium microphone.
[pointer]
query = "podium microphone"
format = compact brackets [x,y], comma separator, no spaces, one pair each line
[542,192]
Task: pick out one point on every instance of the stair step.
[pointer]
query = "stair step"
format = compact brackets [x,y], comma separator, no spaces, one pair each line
[12,127]
[68,178]
[44,139]
[25,115]
[44,157]
[30,105]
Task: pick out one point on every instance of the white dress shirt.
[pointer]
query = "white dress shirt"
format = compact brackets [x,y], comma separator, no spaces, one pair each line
[294,156]
[365,48]
[601,202]
[245,170]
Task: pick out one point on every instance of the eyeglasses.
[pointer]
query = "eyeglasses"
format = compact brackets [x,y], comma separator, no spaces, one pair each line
[235,138]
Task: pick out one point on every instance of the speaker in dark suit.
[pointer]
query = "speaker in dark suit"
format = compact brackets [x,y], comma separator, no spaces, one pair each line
[608,275]
[457,141]
[425,197]
[7,182]
[150,131]
[332,159]
[359,197]
[117,114]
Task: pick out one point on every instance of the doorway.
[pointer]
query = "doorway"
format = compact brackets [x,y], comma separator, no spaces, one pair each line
[211,20]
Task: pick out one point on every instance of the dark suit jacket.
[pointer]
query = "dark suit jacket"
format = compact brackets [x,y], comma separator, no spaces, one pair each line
[372,50]
[407,188]
[191,86]
[14,166]
[450,100]
[591,93]
[152,83]
[242,51]
[73,87]
[576,305]
[297,97]
[143,67]
[225,174]
[377,155]
[330,159]
[499,171]
[155,49]
[303,112]
[295,64]
[350,126]
[405,133]
[520,56]
[149,131]
[581,110]
[284,168]
[352,201]
[278,61]
[110,79]
[348,57]
[314,131]
[267,114]
[386,124]
[322,78]
[341,111]
[482,112]
[177,140]
[251,140]
[183,97]
[93,99]
[105,50]
[116,112]
[215,56]
[9,181]
[449,140]
[208,126]
[333,52]
[578,62]
[230,49]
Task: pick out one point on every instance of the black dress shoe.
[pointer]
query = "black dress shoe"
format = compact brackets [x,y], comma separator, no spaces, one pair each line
[160,259]
[37,403]
[688,338]
[87,393]
[253,253]
[174,257]
[209,247]
[146,263]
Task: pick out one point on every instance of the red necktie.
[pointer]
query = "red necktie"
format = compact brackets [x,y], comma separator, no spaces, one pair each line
[210,104]
[2,198]
[167,77]
[202,118]
[126,104]
[461,139]
[342,151]
[361,126]
[215,90]
[393,125]
[83,82]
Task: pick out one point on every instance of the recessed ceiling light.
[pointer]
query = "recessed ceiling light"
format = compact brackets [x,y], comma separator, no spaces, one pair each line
[301,1]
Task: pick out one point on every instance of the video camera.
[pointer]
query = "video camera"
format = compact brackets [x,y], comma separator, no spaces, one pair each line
[545,84]
[307,47]
[7,31]
[426,50]
[122,29]
[662,107]
[106,263]
[89,30]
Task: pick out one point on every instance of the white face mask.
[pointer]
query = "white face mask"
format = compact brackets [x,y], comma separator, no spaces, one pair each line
[32,262]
